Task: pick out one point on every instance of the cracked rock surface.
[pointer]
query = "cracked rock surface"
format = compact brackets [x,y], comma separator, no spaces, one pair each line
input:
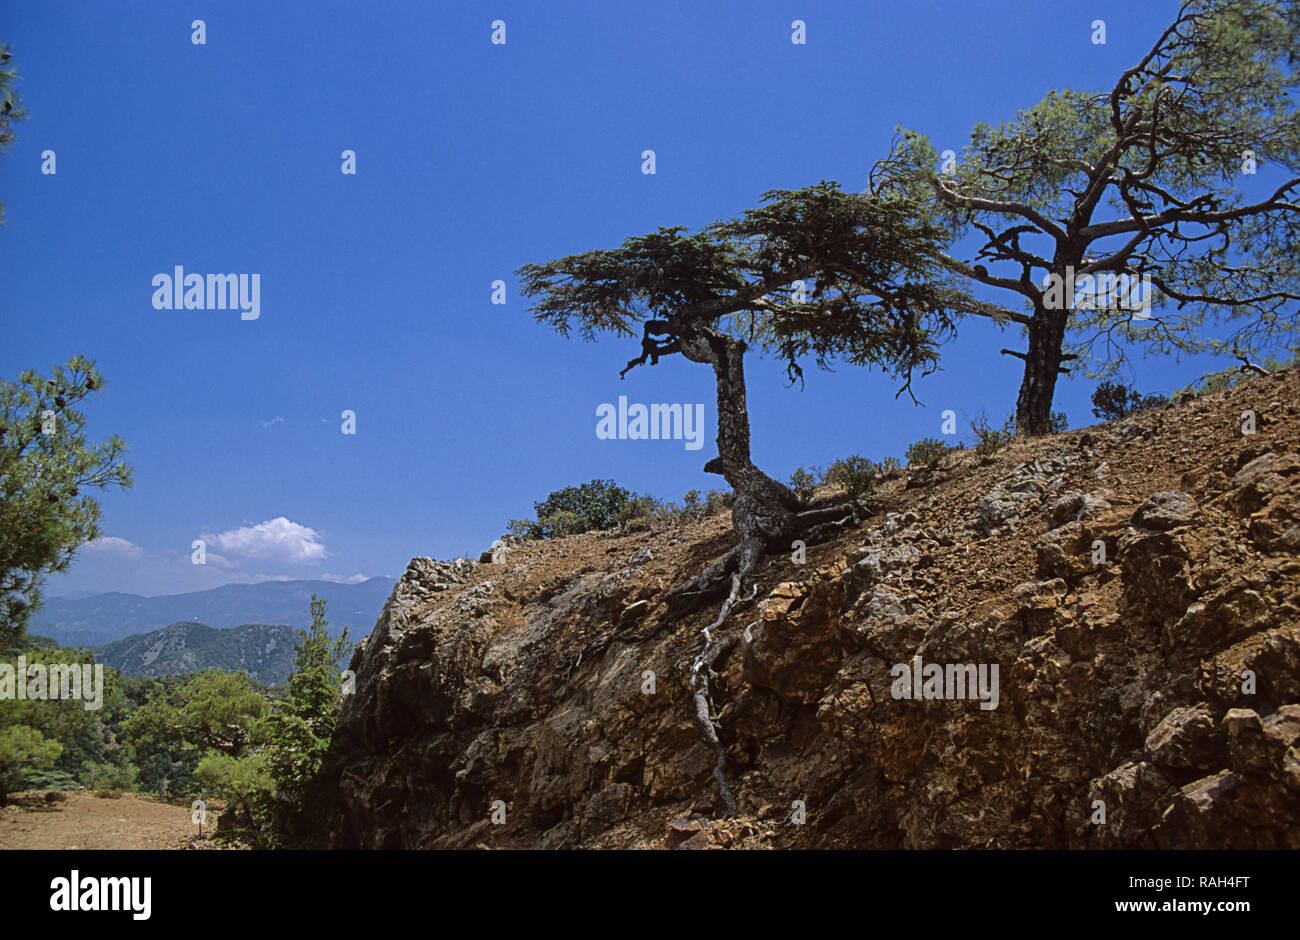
[1136,584]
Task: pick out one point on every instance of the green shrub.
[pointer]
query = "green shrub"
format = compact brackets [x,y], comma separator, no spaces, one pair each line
[637,513]
[524,529]
[559,524]
[718,500]
[591,506]
[803,482]
[857,474]
[599,504]
[243,782]
[667,513]
[692,506]
[989,440]
[164,774]
[602,505]
[109,776]
[55,796]
[1058,422]
[23,749]
[109,794]
[927,452]
[53,779]
[1113,400]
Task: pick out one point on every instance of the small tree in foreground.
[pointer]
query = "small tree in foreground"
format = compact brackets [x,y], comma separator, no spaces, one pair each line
[812,275]
[244,783]
[301,726]
[211,710]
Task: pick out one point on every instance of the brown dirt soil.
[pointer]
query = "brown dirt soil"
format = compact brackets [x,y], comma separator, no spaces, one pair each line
[85,821]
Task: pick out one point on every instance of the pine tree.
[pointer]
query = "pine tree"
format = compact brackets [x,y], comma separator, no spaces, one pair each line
[1139,182]
[46,467]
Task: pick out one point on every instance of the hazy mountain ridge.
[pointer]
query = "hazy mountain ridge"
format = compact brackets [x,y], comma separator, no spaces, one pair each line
[102,619]
[264,651]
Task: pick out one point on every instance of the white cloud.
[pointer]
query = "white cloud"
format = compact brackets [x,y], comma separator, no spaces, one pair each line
[276,420]
[112,545]
[274,550]
[275,539]
[210,558]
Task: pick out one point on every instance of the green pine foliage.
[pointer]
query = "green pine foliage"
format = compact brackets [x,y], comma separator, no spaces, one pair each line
[1142,178]
[47,470]
[23,749]
[301,726]
[11,109]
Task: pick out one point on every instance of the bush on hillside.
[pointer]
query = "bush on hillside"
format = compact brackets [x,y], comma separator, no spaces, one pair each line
[1113,400]
[857,474]
[927,452]
[989,440]
[803,482]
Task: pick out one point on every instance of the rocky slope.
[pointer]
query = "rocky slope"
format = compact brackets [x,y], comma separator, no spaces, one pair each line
[1135,584]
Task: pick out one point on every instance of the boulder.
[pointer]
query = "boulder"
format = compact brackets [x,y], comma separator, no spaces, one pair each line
[1186,738]
[1164,511]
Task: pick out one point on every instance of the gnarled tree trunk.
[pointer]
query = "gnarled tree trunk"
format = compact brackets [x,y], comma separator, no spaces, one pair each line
[765,514]
[764,511]
[1042,367]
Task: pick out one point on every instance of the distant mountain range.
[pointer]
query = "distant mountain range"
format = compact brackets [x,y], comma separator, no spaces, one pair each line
[265,652]
[101,619]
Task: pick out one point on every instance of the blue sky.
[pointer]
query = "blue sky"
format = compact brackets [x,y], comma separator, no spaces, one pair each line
[472,159]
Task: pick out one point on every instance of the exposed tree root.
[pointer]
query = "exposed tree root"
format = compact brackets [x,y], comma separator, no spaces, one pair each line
[689,595]
[701,673]
[704,720]
[738,564]
[813,526]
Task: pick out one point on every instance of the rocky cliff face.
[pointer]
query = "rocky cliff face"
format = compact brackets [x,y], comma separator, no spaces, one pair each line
[1087,641]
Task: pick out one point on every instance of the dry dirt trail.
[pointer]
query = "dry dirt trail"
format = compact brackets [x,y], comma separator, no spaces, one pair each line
[85,821]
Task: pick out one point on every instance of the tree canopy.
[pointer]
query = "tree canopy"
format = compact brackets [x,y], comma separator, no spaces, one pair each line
[11,109]
[1143,181]
[815,274]
[46,468]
